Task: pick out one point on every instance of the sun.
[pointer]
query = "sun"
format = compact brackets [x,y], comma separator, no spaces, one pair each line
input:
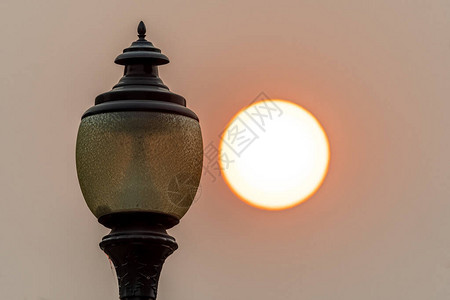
[274,154]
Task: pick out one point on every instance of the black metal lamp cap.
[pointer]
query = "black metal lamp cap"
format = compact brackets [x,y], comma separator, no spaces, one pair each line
[141,88]
[142,51]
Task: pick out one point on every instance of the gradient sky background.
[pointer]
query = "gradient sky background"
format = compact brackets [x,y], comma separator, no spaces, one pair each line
[376,74]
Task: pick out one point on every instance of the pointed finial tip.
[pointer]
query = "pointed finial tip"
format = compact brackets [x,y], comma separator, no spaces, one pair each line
[141,30]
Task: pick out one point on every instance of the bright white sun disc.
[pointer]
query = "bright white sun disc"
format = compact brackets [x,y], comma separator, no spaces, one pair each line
[274,154]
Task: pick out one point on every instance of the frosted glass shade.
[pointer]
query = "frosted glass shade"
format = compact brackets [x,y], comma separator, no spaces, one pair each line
[139,161]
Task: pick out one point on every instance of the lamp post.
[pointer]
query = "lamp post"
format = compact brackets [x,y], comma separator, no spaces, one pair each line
[139,161]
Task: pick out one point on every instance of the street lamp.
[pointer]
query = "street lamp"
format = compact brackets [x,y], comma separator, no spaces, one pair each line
[139,161]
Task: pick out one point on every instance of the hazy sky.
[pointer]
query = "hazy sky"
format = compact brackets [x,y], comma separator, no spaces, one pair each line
[375,73]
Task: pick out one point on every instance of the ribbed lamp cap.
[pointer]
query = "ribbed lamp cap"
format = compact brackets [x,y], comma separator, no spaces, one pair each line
[141,51]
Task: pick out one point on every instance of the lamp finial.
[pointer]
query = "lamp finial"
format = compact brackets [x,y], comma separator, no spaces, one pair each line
[141,30]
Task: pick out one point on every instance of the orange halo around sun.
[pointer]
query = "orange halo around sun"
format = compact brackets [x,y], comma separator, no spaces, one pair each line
[295,150]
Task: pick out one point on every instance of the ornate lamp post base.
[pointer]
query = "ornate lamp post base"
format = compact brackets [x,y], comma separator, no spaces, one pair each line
[138,245]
